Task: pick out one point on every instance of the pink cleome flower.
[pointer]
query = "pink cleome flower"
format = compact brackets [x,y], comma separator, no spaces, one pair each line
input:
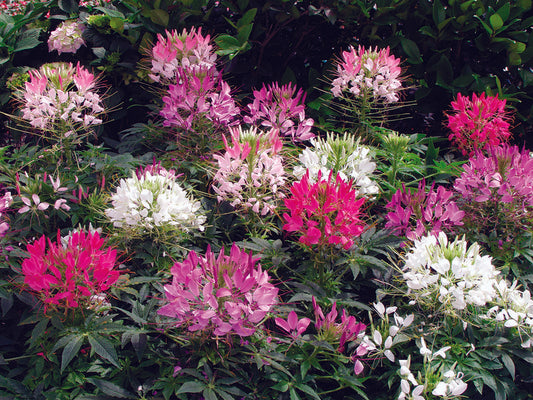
[324,213]
[478,123]
[280,108]
[69,277]
[294,326]
[368,72]
[416,214]
[219,295]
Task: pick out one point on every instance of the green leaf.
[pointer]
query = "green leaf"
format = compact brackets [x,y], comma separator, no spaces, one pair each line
[293,394]
[104,348]
[28,40]
[496,21]
[307,389]
[412,51]
[191,387]
[117,24]
[444,72]
[159,17]
[111,12]
[68,6]
[247,18]
[111,389]
[524,4]
[439,13]
[504,11]
[209,394]
[71,349]
[509,364]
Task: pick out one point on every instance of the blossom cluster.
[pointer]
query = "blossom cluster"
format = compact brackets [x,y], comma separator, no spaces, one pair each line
[368,72]
[324,213]
[280,108]
[219,295]
[5,202]
[497,190]
[448,276]
[67,37]
[154,200]
[344,156]
[189,50]
[417,214]
[198,96]
[250,173]
[478,123]
[50,189]
[70,276]
[60,98]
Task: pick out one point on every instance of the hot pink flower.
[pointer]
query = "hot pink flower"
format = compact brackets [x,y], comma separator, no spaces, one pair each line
[478,123]
[324,213]
[67,277]
[282,109]
[416,214]
[222,295]
[372,72]
[294,326]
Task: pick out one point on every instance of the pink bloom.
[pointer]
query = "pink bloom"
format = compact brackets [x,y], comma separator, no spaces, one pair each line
[67,37]
[66,277]
[324,213]
[368,72]
[294,326]
[478,123]
[282,109]
[220,295]
[416,214]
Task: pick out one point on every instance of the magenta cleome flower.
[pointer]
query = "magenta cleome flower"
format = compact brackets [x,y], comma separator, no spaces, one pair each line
[70,276]
[324,213]
[368,72]
[478,123]
[294,326]
[219,295]
[67,37]
[417,214]
[282,109]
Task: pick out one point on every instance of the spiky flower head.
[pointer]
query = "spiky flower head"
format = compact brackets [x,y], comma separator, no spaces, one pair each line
[478,122]
[219,295]
[67,37]
[344,156]
[368,72]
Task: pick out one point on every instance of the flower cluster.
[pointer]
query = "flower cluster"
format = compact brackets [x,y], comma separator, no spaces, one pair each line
[497,191]
[60,98]
[478,123]
[188,50]
[154,200]
[448,275]
[219,295]
[5,202]
[344,156]
[251,173]
[196,97]
[69,276]
[417,214]
[280,108]
[67,37]
[51,191]
[324,213]
[363,73]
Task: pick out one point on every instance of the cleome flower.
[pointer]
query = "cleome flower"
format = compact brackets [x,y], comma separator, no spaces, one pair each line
[189,50]
[281,109]
[219,295]
[417,214]
[71,275]
[251,173]
[152,200]
[448,276]
[324,213]
[477,123]
[67,37]
[368,73]
[344,156]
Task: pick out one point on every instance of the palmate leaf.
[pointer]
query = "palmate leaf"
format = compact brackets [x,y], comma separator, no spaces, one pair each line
[71,349]
[104,348]
[111,389]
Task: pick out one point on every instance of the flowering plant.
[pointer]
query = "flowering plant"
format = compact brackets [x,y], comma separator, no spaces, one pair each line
[70,276]
[67,37]
[219,295]
[478,123]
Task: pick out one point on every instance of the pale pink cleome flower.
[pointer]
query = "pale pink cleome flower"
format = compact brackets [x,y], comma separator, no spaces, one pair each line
[365,72]
[67,37]
[280,108]
[478,123]
[188,50]
[251,175]
[198,96]
[5,202]
[219,295]
[417,214]
[58,98]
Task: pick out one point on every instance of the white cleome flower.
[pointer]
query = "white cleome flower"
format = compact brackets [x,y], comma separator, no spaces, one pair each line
[154,200]
[449,274]
[342,155]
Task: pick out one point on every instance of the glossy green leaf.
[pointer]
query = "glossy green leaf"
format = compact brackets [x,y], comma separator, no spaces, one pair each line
[247,18]
[412,51]
[27,40]
[504,11]
[496,22]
